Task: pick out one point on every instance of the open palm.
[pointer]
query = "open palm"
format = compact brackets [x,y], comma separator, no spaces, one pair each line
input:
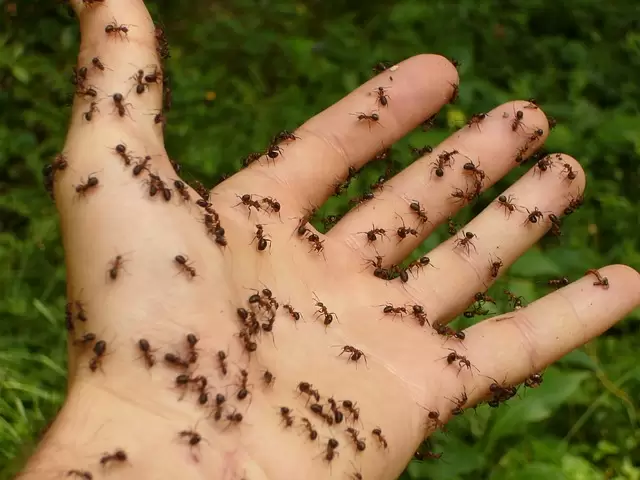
[123,232]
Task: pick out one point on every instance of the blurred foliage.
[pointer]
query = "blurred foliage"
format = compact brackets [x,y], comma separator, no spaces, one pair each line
[256,67]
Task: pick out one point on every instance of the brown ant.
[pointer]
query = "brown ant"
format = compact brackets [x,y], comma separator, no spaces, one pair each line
[466,241]
[121,151]
[534,380]
[420,456]
[141,165]
[181,188]
[532,104]
[59,163]
[268,378]
[338,416]
[507,202]
[448,332]
[175,360]
[234,418]
[473,168]
[403,231]
[184,266]
[500,393]
[88,115]
[372,235]
[272,204]
[362,198]
[571,173]
[313,433]
[155,76]
[287,418]
[114,28]
[476,119]
[574,204]
[459,403]
[517,302]
[222,362]
[248,201]
[383,98]
[600,280]
[316,243]
[80,474]
[263,241]
[495,266]
[82,312]
[117,456]
[482,297]
[323,311]
[156,184]
[284,136]
[91,183]
[85,339]
[141,86]
[97,63]
[533,216]
[454,93]
[331,452]
[558,282]
[462,360]
[307,388]
[543,165]
[358,442]
[421,151]
[99,349]
[390,309]
[199,381]
[377,432]
[517,120]
[145,348]
[292,313]
[352,410]
[452,228]
[219,405]
[354,354]
[464,196]
[374,117]
[434,417]
[115,266]
[380,67]
[418,312]
[194,437]
[243,391]
[444,159]
[419,211]
[121,107]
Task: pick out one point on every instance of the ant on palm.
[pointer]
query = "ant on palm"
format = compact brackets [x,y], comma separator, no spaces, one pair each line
[263,240]
[372,235]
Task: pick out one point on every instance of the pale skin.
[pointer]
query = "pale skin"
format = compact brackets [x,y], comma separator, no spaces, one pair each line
[125,405]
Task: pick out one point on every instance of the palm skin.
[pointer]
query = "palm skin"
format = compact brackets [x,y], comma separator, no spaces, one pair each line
[402,378]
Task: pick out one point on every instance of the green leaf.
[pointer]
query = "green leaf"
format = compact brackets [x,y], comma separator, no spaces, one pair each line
[534,263]
[21,74]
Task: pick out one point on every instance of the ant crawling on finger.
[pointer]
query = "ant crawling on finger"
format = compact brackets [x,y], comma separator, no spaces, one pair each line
[99,350]
[145,347]
[448,332]
[284,136]
[542,165]
[462,360]
[495,266]
[389,309]
[121,30]
[324,313]
[420,212]
[119,456]
[517,302]
[372,118]
[571,173]
[184,265]
[383,98]
[354,354]
[248,201]
[533,216]
[454,93]
[444,159]
[317,245]
[382,440]
[83,188]
[473,168]
[517,120]
[403,231]
[417,311]
[506,202]
[372,235]
[82,474]
[463,196]
[466,241]
[120,106]
[421,151]
[359,443]
[93,108]
[459,403]
[263,240]
[476,119]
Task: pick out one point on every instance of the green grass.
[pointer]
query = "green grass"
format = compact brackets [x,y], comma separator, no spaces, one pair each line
[274,64]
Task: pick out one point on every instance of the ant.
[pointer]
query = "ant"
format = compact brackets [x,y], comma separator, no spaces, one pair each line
[88,115]
[234,418]
[59,163]
[199,381]
[247,200]
[83,188]
[117,456]
[466,241]
[452,228]
[574,204]
[97,63]
[118,98]
[390,309]
[243,391]
[99,349]
[268,378]
[374,117]
[434,417]
[454,93]
[380,67]
[153,77]
[82,313]
[482,297]
[352,410]
[444,159]
[476,119]
[517,302]
[403,231]
[115,266]
[372,235]
[194,437]
[464,196]
[313,433]
[294,314]
[331,452]
[181,260]
[448,332]
[533,216]
[459,403]
[418,312]
[358,442]
[379,184]
[287,418]
[476,309]
[534,380]
[383,98]
[500,393]
[543,165]
[600,280]
[217,413]
[494,267]
[222,362]
[558,282]
[181,188]
[263,240]
[420,456]
[272,204]
[461,359]
[307,388]
[517,120]
[316,243]
[532,104]
[121,150]
[145,348]
[114,28]
[284,136]
[192,341]
[362,198]
[323,311]
[338,416]
[422,151]
[85,339]
[571,173]
[420,212]
[80,474]
[507,203]
[419,263]
[354,354]
[176,360]
[140,85]
[377,432]
[473,168]
[157,184]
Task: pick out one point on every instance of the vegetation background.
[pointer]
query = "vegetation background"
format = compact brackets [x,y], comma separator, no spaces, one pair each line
[255,67]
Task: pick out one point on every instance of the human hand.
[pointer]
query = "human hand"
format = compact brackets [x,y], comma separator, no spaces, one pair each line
[138,409]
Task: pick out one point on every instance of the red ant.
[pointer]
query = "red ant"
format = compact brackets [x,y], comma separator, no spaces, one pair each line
[121,150]
[533,381]
[287,418]
[556,226]
[354,354]
[157,184]
[461,359]
[403,231]
[145,348]
[118,98]
[517,302]
[313,433]
[374,117]
[459,403]
[377,432]
[473,168]
[248,201]
[517,120]
[272,204]
[114,28]
[454,93]
[419,211]
[372,235]
[362,198]
[97,63]
[466,241]
[91,183]
[284,136]
[600,280]
[464,196]
[448,332]
[263,240]
[571,173]
[494,267]
[444,159]
[117,456]
[383,98]
[558,282]
[181,188]
[317,245]
[359,443]
[273,151]
[141,86]
[476,119]
[390,309]
[307,388]
[88,115]
[507,203]
[418,312]
[115,266]
[99,350]
[434,417]
[181,260]
[543,165]
[292,313]
[323,311]
[533,216]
